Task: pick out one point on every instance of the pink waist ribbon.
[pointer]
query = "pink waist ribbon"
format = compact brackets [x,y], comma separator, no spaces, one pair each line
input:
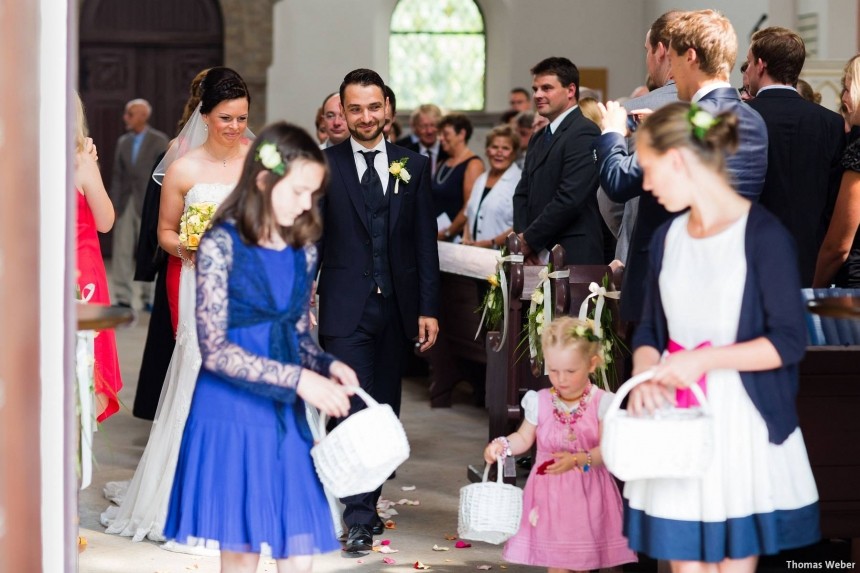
[684,397]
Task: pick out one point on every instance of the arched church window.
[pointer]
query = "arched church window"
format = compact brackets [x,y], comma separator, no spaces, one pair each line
[437,54]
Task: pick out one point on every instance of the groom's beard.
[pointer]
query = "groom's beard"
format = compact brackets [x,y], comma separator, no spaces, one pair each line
[363,136]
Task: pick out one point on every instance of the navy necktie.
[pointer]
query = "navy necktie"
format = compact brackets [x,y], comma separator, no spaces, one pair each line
[547,135]
[370,180]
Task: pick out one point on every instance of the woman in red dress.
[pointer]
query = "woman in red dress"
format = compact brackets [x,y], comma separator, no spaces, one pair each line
[95,215]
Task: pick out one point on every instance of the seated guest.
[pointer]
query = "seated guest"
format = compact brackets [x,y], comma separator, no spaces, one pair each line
[453,180]
[490,210]
[839,258]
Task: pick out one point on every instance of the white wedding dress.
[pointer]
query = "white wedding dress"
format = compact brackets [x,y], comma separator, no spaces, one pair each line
[141,509]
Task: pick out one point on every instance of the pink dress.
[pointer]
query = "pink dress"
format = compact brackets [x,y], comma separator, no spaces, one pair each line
[92,282]
[572,520]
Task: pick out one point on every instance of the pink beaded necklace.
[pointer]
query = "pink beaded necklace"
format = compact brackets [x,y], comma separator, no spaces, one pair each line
[569,419]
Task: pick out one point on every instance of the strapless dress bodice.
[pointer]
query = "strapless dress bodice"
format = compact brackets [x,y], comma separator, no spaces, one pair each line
[208,193]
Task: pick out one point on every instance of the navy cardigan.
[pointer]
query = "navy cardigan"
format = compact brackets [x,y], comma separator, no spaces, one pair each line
[772,306]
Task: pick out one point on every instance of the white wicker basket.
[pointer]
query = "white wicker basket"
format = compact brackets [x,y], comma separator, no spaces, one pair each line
[671,443]
[490,511]
[362,451]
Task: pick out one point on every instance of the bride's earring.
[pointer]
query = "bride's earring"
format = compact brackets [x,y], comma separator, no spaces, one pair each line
[205,127]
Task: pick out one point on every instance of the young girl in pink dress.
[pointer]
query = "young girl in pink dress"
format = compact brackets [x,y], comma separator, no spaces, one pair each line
[571,505]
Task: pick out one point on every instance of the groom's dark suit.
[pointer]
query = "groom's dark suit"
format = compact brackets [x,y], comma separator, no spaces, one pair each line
[379,273]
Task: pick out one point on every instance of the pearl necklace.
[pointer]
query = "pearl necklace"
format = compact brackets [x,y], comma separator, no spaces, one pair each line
[569,419]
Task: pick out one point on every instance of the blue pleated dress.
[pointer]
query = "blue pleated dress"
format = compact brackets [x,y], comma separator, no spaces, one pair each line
[245,476]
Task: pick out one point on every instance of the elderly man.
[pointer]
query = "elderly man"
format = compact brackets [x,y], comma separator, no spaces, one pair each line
[135,156]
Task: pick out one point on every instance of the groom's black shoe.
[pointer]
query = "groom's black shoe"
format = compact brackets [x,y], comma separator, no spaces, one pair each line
[378,526]
[359,539]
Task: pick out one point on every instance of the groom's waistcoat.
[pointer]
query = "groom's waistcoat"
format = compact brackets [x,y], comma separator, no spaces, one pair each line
[378,208]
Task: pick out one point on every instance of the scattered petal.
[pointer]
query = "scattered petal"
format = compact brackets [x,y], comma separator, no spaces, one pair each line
[360,561]
[503,566]
[385,549]
[376,543]
[390,524]
[388,561]
[533,517]
[485,567]
[419,565]
[450,537]
[408,488]
[385,542]
[405,501]
[462,544]
[542,468]
[437,548]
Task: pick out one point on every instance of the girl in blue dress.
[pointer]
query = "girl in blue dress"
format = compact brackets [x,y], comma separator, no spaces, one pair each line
[245,476]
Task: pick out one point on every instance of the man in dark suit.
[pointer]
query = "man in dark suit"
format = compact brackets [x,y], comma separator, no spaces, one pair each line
[379,277]
[703,51]
[806,143]
[620,174]
[135,155]
[556,199]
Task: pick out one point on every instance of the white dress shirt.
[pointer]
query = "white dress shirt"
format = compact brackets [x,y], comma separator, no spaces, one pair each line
[380,162]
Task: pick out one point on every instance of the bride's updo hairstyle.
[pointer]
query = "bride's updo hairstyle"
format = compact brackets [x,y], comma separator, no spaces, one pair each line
[683,125]
[221,84]
[274,153]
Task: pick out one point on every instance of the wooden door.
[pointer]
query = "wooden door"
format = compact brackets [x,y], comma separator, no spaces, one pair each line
[152,50]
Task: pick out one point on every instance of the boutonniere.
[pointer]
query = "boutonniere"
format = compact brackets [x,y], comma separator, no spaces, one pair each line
[398,170]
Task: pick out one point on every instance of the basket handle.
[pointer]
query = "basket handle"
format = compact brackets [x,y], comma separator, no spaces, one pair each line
[323,419]
[625,389]
[499,472]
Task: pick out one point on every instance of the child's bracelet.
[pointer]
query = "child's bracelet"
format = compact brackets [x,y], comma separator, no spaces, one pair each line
[505,444]
[587,465]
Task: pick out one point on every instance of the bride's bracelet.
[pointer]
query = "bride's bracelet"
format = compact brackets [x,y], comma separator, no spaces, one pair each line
[182,258]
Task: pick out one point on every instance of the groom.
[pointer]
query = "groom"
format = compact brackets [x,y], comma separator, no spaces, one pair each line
[379,276]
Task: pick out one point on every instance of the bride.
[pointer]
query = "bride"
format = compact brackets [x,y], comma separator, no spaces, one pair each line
[202,165]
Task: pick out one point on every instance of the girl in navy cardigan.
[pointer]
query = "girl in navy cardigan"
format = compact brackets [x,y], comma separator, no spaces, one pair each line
[723,310]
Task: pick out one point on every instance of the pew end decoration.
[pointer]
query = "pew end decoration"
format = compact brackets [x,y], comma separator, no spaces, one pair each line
[494,306]
[600,316]
[541,311]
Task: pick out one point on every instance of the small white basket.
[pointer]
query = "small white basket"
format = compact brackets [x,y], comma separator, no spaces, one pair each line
[490,511]
[669,443]
[362,451]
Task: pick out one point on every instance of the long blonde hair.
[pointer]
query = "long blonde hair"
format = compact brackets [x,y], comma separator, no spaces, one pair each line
[81,130]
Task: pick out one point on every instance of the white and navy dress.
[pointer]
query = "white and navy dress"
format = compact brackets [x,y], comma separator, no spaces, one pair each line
[758,496]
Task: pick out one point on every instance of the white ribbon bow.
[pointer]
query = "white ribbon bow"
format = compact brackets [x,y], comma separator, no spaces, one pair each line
[503,285]
[601,294]
[544,284]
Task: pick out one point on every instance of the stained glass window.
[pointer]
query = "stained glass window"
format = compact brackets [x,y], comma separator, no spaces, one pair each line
[437,54]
